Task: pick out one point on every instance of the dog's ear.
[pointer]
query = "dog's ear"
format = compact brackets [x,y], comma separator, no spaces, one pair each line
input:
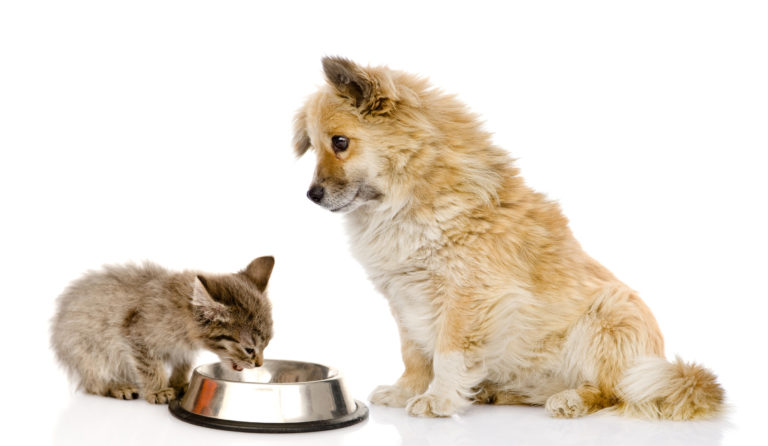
[301,141]
[371,90]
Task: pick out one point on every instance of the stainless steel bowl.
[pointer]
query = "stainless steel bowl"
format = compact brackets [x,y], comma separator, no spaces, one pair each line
[279,396]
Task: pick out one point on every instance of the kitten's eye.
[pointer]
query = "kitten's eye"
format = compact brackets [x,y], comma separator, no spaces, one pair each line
[340,143]
[249,351]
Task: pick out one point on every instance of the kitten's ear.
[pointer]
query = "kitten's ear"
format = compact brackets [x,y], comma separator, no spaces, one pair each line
[371,90]
[202,300]
[259,271]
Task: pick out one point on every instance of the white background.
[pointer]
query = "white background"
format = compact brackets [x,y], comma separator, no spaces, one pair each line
[161,130]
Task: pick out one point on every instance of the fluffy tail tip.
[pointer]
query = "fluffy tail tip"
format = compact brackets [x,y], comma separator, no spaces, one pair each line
[657,389]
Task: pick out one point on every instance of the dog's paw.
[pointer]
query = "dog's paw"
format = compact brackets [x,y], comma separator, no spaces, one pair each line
[429,405]
[565,404]
[162,396]
[393,396]
[484,394]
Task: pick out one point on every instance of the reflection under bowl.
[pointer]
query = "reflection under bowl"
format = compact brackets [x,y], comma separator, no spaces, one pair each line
[279,396]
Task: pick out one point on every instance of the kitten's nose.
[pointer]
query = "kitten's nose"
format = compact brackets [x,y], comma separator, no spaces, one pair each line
[258,361]
[316,193]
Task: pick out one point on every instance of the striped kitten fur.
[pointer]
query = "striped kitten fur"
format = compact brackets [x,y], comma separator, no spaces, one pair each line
[116,330]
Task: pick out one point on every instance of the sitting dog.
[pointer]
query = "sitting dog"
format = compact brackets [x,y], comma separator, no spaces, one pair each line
[495,300]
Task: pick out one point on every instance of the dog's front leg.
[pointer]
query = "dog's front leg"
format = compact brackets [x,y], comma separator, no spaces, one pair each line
[456,372]
[450,390]
[414,381]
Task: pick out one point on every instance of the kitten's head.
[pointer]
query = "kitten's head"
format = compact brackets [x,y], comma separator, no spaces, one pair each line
[234,315]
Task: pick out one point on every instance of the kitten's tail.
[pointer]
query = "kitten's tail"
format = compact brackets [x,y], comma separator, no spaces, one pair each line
[655,388]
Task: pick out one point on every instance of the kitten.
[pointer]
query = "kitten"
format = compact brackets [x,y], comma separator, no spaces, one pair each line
[117,329]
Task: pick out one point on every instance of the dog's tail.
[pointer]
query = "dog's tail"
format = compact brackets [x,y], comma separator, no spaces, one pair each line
[655,388]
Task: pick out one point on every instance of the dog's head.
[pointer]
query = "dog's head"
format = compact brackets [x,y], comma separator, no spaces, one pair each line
[360,128]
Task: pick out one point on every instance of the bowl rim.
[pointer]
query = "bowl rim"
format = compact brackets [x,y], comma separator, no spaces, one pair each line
[333,374]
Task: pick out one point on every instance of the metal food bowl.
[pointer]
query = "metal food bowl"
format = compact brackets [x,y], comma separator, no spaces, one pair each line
[279,396]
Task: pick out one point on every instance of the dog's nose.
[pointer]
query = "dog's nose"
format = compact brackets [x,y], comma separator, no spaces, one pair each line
[316,193]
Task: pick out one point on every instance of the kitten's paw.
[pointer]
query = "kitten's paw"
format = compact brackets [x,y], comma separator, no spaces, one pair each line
[180,389]
[565,404]
[162,396]
[393,396]
[124,393]
[430,405]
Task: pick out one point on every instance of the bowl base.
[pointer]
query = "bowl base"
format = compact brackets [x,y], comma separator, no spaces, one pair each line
[360,414]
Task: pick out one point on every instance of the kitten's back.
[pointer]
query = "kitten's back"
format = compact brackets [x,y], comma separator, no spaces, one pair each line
[86,328]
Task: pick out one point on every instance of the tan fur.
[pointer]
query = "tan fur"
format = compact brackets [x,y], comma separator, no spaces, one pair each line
[494,298]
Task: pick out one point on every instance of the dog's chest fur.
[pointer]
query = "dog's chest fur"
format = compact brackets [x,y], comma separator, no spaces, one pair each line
[400,257]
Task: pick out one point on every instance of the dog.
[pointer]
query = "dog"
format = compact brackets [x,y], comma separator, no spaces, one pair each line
[495,300]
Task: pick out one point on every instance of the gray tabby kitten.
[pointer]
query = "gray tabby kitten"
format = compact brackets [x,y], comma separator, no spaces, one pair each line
[117,329]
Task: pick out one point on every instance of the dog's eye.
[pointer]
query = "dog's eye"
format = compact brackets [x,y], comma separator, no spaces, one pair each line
[340,143]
